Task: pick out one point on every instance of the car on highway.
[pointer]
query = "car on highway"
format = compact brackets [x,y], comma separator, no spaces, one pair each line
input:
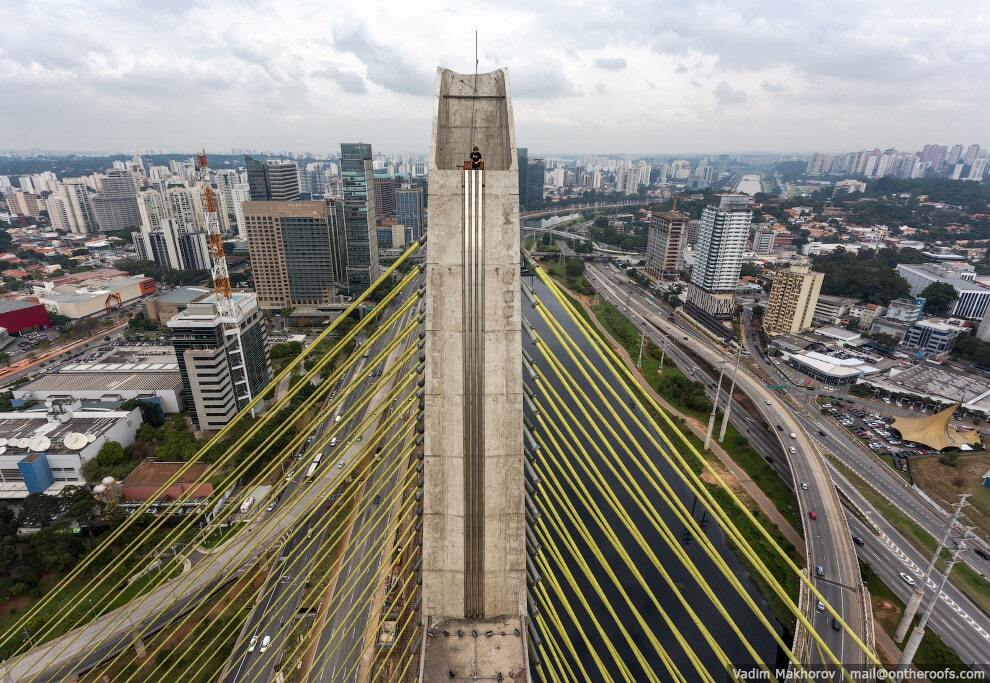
[333,441]
[340,465]
[792,435]
[804,486]
[253,643]
[819,606]
[265,642]
[906,578]
[793,450]
[376,500]
[819,571]
[835,624]
[812,514]
[337,418]
[858,541]
[768,403]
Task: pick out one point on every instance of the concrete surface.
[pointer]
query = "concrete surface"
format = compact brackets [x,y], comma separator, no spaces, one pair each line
[474,544]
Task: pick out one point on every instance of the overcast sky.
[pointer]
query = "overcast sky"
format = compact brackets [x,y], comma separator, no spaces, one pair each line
[599,76]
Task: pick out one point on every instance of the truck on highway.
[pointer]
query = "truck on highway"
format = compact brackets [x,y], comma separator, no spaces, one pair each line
[246,505]
[313,465]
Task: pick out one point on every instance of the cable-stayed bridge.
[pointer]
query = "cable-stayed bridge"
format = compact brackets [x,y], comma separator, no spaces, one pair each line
[466,484]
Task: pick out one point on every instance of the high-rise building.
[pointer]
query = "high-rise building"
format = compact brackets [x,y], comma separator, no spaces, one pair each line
[272,179]
[182,206]
[297,251]
[535,179]
[665,243]
[357,172]
[233,192]
[972,152]
[384,198]
[522,158]
[793,298]
[211,364]
[722,239]
[409,211]
[58,212]
[22,203]
[763,241]
[82,218]
[955,154]
[116,206]
[978,169]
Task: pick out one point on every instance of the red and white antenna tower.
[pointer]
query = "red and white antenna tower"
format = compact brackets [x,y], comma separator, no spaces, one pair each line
[227,308]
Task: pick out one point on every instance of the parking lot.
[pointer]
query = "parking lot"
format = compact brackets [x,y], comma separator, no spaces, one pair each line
[875,433]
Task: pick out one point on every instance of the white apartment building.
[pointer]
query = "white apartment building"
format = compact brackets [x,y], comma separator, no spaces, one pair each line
[722,237]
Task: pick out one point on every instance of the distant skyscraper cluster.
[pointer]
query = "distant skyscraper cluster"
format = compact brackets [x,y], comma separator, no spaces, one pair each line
[955,162]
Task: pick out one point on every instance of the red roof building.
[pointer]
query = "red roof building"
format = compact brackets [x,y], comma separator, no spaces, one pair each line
[21,315]
[148,477]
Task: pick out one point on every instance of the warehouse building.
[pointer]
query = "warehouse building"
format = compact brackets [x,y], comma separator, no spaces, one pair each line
[22,315]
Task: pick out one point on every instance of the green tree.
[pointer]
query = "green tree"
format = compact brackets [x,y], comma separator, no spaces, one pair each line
[574,267]
[938,298]
[39,510]
[973,350]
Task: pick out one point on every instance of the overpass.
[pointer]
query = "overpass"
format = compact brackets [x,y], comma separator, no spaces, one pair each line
[466,485]
[577,208]
[596,247]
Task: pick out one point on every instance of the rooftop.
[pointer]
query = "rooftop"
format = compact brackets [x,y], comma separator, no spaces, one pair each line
[8,305]
[949,277]
[96,380]
[926,379]
[498,648]
[184,295]
[26,424]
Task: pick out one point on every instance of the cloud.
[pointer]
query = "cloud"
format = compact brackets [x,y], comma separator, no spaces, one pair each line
[348,81]
[727,95]
[541,80]
[384,65]
[610,63]
[839,76]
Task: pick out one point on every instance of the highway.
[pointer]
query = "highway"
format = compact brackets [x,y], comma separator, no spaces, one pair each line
[959,622]
[287,583]
[864,463]
[828,543]
[86,645]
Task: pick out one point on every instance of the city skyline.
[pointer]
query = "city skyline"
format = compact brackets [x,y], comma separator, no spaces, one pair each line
[610,79]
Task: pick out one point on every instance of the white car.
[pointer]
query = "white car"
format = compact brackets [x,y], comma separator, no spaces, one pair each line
[265,642]
[793,450]
[337,419]
[333,442]
[906,578]
[340,465]
[804,486]
[793,435]
[254,641]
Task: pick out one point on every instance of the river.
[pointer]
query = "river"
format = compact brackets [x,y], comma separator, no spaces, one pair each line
[731,644]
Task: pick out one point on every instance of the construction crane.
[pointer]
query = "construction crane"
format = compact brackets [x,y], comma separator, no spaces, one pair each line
[227,308]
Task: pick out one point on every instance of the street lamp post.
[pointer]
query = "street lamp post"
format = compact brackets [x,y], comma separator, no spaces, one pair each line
[711,418]
[728,401]
[919,631]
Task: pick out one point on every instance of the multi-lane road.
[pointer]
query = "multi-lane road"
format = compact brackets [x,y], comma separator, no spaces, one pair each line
[86,645]
[827,539]
[959,622]
[289,580]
